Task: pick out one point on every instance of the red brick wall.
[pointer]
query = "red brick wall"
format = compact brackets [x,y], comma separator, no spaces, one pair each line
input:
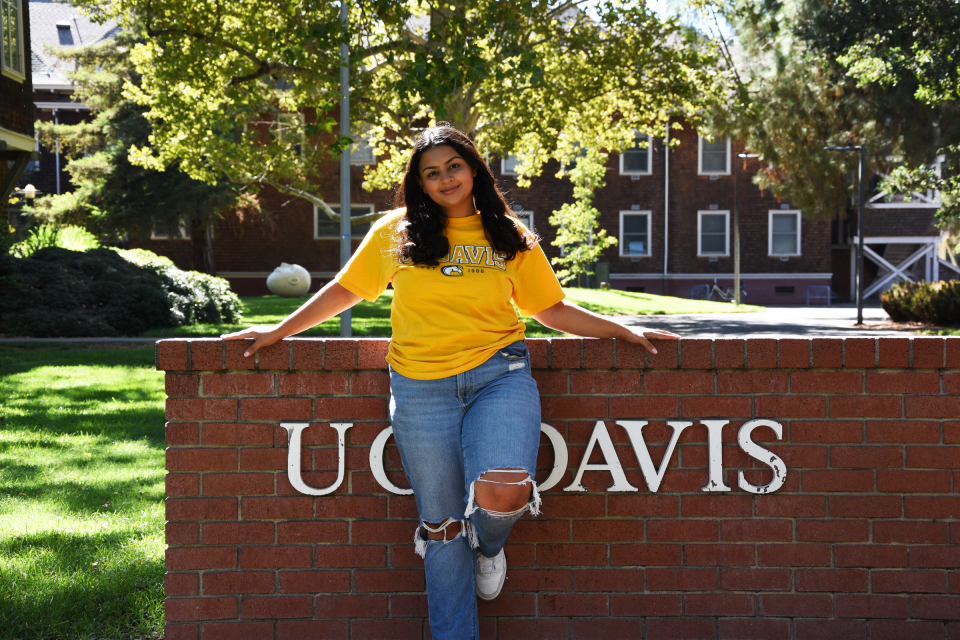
[860,542]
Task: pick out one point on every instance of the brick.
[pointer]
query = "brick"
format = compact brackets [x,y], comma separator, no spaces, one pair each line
[277,607]
[206,354]
[631,407]
[900,629]
[314,629]
[205,459]
[866,407]
[552,382]
[600,629]
[607,382]
[794,555]
[237,630]
[906,532]
[951,383]
[755,579]
[189,609]
[277,508]
[756,530]
[646,605]
[182,433]
[804,457]
[928,353]
[753,629]
[792,507]
[275,357]
[185,509]
[794,353]
[713,505]
[831,580]
[860,353]
[553,579]
[717,555]
[341,354]
[717,406]
[237,384]
[276,408]
[952,346]
[951,432]
[257,459]
[539,349]
[573,605]
[792,406]
[351,409]
[193,558]
[826,432]
[718,604]
[913,481]
[667,354]
[682,531]
[752,382]
[907,431]
[275,557]
[568,506]
[307,354]
[828,480]
[830,629]
[827,353]
[370,384]
[795,606]
[869,556]
[389,581]
[312,532]
[761,353]
[830,382]
[237,484]
[696,353]
[677,382]
[313,384]
[366,556]
[181,385]
[865,507]
[218,533]
[935,557]
[908,582]
[533,628]
[182,533]
[938,507]
[416,607]
[201,409]
[728,353]
[894,352]
[833,531]
[903,382]
[372,353]
[182,484]
[681,629]
[233,355]
[873,457]
[628,355]
[645,555]
[681,579]
[934,607]
[351,607]
[571,555]
[933,458]
[337,506]
[598,354]
[181,584]
[237,582]
[565,353]
[172,355]
[940,407]
[616,580]
[237,434]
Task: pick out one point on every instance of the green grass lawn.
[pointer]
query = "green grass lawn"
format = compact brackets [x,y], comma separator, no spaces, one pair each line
[372,319]
[81,494]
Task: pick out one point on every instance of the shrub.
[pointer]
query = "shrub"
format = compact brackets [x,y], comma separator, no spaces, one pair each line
[61,293]
[49,235]
[931,302]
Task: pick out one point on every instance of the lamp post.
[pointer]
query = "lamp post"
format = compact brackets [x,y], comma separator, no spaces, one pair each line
[345,229]
[736,227]
[862,170]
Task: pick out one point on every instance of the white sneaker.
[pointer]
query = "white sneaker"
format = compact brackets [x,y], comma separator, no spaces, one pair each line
[491,573]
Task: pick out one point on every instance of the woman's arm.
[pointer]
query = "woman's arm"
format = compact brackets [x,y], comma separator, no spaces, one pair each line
[569,318]
[326,303]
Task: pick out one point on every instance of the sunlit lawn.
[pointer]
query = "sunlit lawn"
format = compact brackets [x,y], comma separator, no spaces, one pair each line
[81,494]
[372,319]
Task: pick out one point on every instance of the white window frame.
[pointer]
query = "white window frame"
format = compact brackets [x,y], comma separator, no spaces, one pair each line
[772,212]
[526,213]
[623,245]
[503,166]
[700,171]
[183,227]
[712,212]
[649,169]
[316,221]
[18,76]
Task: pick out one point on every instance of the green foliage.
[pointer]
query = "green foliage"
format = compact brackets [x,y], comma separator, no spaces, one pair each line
[931,302]
[51,235]
[62,293]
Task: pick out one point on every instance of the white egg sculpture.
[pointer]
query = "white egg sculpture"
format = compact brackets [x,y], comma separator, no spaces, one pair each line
[289,281]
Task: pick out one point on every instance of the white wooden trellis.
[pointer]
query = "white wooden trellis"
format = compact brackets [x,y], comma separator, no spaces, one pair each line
[929,252]
[927,200]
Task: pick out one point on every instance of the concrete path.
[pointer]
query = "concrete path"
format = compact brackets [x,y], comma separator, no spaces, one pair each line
[776,322]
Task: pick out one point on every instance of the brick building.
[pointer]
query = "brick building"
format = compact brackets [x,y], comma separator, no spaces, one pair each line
[16,113]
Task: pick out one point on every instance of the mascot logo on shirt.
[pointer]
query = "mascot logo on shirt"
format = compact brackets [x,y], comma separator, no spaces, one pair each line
[452,270]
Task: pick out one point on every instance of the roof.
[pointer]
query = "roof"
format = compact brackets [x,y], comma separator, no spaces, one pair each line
[60,24]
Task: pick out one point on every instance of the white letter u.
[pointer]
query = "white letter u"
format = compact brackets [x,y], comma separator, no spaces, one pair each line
[294,431]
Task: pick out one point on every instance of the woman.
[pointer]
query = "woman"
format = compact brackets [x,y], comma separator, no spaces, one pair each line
[464,407]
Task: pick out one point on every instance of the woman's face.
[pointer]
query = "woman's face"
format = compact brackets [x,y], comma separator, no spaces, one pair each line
[447,178]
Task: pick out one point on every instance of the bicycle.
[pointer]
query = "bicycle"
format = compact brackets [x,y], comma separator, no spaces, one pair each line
[705,292]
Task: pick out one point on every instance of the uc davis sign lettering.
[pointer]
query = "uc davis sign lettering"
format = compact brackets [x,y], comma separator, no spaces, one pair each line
[859,540]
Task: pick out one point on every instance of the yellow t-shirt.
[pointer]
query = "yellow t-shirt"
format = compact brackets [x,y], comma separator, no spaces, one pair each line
[452,317]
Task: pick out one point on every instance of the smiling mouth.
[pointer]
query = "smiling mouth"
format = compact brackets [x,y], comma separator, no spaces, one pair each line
[449,191]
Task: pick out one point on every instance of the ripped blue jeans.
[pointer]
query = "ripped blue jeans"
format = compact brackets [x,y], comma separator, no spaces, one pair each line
[449,432]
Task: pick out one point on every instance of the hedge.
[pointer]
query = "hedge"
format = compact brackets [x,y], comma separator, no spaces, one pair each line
[931,302]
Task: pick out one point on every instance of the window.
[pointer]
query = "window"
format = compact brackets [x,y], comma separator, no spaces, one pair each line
[634,233]
[713,238]
[165,230]
[714,157]
[636,161]
[361,152]
[11,23]
[526,217]
[784,239]
[324,227]
[508,166]
[579,152]
[288,127]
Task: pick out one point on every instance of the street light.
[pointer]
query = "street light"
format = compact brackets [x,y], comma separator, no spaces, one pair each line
[861,171]
[736,227]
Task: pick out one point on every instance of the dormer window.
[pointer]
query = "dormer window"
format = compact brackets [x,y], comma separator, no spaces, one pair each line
[11,25]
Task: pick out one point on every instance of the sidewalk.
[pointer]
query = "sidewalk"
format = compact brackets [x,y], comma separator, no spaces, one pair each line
[775,322]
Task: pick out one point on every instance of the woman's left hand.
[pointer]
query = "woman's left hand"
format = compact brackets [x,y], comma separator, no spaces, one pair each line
[642,335]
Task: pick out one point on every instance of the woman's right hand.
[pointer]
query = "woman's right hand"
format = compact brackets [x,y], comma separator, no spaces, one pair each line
[262,336]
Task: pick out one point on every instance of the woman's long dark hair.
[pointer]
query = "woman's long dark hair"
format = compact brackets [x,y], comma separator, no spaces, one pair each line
[421,229]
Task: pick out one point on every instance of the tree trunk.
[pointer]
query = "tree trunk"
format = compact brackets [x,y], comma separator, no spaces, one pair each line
[201,236]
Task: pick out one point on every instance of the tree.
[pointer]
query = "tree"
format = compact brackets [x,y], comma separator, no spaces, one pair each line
[534,78]
[112,196]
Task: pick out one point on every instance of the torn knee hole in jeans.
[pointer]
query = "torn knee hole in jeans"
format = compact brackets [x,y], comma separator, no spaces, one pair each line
[420,538]
[533,505]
